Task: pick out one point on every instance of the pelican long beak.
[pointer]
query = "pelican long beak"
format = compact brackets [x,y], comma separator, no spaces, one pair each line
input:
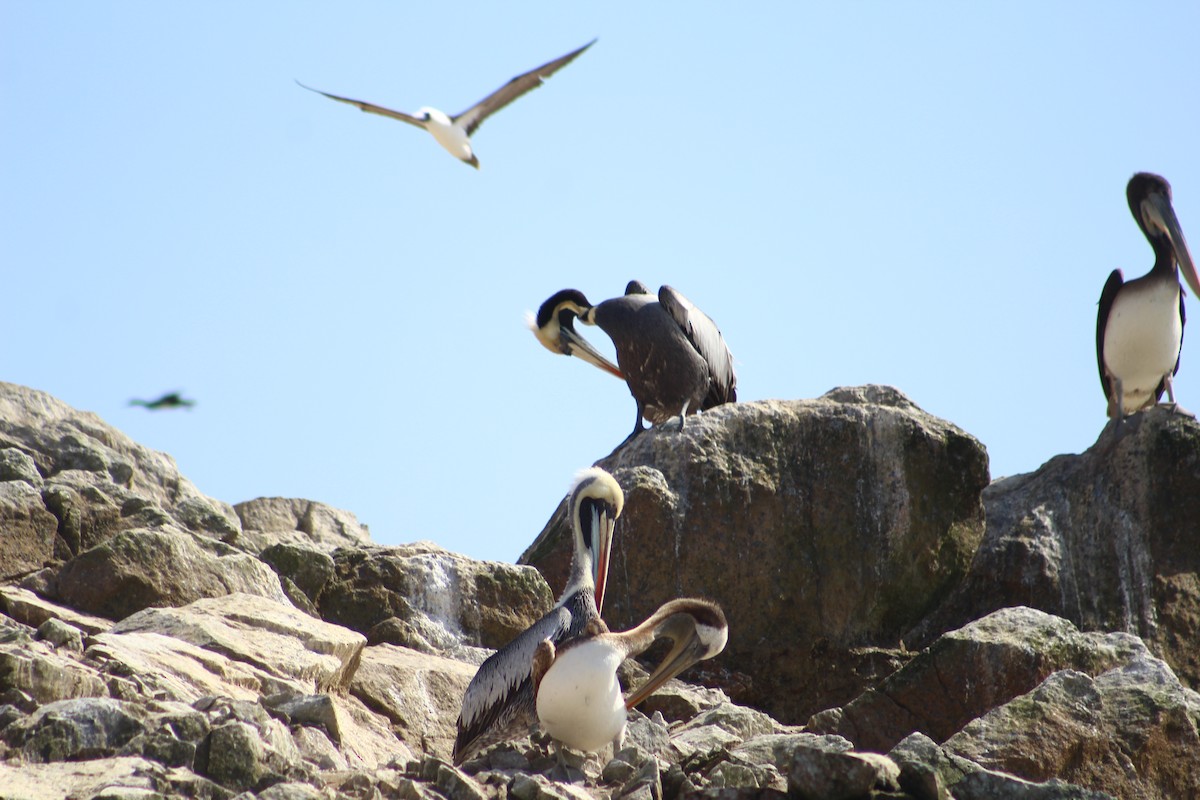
[559,336]
[575,345]
[1158,208]
[602,536]
[687,650]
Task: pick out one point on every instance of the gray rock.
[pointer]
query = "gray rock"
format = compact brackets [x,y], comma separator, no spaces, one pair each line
[46,675]
[869,506]
[308,567]
[1133,730]
[27,529]
[291,791]
[267,521]
[1104,539]
[988,785]
[73,730]
[17,465]
[62,440]
[448,599]
[822,774]
[138,569]
[60,634]
[971,670]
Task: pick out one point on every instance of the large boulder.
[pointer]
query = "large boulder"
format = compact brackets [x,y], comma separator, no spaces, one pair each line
[1107,539]
[970,671]
[825,528]
[167,566]
[430,599]
[95,479]
[286,520]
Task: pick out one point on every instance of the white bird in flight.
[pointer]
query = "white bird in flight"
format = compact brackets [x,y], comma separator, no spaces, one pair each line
[454,133]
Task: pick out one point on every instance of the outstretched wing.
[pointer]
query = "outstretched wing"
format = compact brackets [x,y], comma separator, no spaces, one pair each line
[370,108]
[706,337]
[474,116]
[499,703]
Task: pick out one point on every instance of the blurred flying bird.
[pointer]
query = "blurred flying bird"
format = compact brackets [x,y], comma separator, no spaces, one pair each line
[169,400]
[454,133]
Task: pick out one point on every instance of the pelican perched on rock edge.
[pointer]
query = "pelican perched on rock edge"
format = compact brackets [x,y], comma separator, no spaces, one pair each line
[499,703]
[1139,328]
[454,133]
[579,699]
[670,353]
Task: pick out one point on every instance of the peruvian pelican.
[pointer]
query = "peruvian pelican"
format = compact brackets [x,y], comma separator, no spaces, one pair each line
[579,699]
[454,133]
[1139,330]
[670,353]
[499,702]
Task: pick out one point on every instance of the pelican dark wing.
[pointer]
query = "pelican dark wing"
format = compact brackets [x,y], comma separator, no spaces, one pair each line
[370,108]
[474,116]
[499,703]
[706,337]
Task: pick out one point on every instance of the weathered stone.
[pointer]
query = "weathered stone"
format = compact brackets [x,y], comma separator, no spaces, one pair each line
[988,785]
[45,675]
[819,526]
[267,521]
[926,770]
[450,600]
[60,439]
[84,779]
[17,465]
[778,749]
[421,694]
[27,529]
[271,636]
[822,774]
[1133,730]
[291,791]
[30,609]
[73,730]
[138,569]
[309,568]
[60,634]
[1105,539]
[971,670]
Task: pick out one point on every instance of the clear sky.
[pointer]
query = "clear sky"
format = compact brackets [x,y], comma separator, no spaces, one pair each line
[929,196]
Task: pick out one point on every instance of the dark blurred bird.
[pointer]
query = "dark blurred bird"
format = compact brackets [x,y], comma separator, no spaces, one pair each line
[454,133]
[169,400]
[670,353]
[1139,328]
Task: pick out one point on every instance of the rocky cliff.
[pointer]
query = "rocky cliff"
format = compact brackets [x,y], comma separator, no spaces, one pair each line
[899,628]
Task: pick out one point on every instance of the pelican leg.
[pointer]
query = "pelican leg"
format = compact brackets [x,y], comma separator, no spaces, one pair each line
[1173,406]
[1115,403]
[638,427]
[683,415]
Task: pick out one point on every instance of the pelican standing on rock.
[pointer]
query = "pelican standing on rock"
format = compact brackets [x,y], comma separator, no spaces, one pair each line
[454,133]
[579,699]
[499,703]
[1139,329]
[670,353]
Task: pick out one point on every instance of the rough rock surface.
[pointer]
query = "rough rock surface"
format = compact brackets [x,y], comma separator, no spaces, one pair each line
[298,661]
[1108,539]
[826,528]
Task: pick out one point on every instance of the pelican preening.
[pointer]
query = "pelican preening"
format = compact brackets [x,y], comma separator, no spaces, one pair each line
[579,699]
[499,703]
[1139,329]
[670,353]
[454,133]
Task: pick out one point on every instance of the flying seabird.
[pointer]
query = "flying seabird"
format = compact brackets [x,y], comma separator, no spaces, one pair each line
[579,699]
[1139,328]
[454,133]
[670,353]
[169,400]
[499,702]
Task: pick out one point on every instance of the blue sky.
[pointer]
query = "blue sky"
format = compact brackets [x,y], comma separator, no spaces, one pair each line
[925,196]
